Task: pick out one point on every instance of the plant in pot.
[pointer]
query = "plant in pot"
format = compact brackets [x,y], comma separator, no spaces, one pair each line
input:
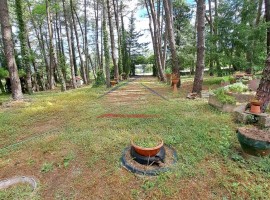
[175,80]
[255,106]
[168,73]
[147,145]
[113,82]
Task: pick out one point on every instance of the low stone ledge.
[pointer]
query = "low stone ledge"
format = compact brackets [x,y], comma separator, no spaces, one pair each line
[213,101]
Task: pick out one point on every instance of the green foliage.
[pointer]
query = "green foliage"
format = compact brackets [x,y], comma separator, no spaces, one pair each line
[100,80]
[168,70]
[46,167]
[236,87]
[215,80]
[3,73]
[221,95]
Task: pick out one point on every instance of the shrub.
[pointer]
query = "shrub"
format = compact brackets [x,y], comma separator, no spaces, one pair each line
[221,95]
[100,80]
[236,87]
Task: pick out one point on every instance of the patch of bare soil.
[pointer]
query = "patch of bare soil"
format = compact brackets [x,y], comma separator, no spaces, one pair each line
[255,133]
[112,115]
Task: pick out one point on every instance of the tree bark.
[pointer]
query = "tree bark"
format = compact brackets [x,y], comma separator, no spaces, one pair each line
[211,65]
[70,50]
[86,43]
[53,57]
[116,70]
[169,26]
[9,51]
[155,37]
[96,5]
[83,73]
[198,79]
[116,10]
[23,41]
[106,47]
[263,91]
[267,18]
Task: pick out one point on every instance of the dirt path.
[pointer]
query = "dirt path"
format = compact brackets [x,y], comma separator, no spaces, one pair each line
[137,93]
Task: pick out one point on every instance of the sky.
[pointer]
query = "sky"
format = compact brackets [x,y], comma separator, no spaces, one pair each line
[142,22]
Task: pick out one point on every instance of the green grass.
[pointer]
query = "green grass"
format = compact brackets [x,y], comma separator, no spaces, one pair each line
[74,154]
[21,191]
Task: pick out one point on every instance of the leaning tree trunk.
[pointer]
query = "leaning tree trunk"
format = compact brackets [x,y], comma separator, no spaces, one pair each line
[9,51]
[263,91]
[198,79]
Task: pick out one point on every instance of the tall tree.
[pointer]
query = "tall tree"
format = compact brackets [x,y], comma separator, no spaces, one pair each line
[198,79]
[155,35]
[106,46]
[263,91]
[83,72]
[170,29]
[267,18]
[116,70]
[53,57]
[23,40]
[70,50]
[9,51]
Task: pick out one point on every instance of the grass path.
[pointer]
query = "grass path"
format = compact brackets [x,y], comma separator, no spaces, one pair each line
[75,155]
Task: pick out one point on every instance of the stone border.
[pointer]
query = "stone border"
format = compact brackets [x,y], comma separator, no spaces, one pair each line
[213,101]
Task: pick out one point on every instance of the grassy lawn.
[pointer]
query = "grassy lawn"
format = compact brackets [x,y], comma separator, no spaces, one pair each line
[58,139]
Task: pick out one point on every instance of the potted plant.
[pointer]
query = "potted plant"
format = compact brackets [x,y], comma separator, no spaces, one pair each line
[255,106]
[254,141]
[147,145]
[112,82]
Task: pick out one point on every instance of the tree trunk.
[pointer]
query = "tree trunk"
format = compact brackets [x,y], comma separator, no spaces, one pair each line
[86,43]
[23,40]
[116,10]
[198,79]
[263,91]
[73,79]
[155,37]
[97,35]
[267,18]
[9,51]
[83,73]
[116,71]
[219,71]
[52,61]
[53,58]
[211,65]
[106,47]
[169,26]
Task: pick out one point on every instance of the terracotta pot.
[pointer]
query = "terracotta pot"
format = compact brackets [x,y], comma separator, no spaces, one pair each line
[255,109]
[113,83]
[252,146]
[149,152]
[174,82]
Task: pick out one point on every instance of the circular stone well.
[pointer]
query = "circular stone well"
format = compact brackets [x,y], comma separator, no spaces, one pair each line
[130,164]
